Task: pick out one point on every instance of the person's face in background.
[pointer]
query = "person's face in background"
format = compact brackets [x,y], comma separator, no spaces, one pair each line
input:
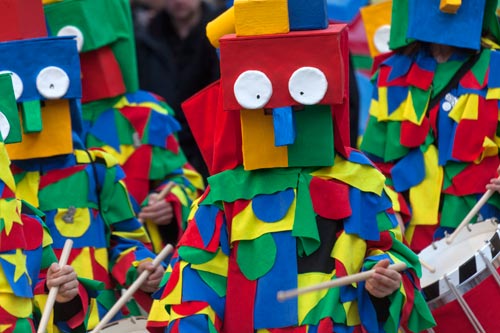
[182,9]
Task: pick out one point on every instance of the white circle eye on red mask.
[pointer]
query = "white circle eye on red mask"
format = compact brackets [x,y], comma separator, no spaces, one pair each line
[17,83]
[308,85]
[52,82]
[253,89]
[4,126]
[71,30]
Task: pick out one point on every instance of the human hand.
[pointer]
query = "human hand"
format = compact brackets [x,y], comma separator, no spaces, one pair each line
[65,279]
[494,184]
[384,281]
[158,211]
[153,281]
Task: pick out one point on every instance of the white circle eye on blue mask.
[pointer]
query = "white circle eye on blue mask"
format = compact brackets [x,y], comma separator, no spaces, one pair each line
[71,30]
[308,85]
[381,38]
[17,83]
[253,89]
[52,82]
[4,126]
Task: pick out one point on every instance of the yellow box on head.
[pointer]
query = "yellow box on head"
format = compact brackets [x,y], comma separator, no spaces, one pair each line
[450,6]
[55,137]
[261,17]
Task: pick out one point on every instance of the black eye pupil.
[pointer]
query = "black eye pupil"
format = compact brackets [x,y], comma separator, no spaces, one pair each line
[301,93]
[258,96]
[51,86]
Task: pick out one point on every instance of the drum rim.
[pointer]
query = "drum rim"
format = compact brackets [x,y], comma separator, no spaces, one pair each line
[438,294]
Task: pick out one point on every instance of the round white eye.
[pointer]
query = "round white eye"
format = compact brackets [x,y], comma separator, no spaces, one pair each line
[71,30]
[381,38]
[17,83]
[4,126]
[52,82]
[308,85]
[253,89]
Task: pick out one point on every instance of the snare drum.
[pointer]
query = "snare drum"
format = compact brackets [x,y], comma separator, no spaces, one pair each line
[127,325]
[464,291]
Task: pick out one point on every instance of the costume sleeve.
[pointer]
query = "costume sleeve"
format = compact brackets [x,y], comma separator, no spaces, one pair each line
[194,286]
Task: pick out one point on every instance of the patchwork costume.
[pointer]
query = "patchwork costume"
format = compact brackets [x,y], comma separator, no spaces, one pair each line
[433,126]
[136,127]
[288,204]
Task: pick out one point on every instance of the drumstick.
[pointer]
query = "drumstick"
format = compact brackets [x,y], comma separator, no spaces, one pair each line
[340,282]
[163,193]
[54,290]
[427,266]
[132,289]
[469,216]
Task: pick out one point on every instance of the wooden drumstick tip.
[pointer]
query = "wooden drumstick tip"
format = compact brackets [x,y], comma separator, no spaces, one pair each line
[427,266]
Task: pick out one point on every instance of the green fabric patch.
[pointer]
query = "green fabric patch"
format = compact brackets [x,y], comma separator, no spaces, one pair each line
[394,149]
[374,138]
[32,116]
[383,222]
[305,228]
[93,110]
[115,200]
[362,61]
[195,256]
[420,99]
[216,282]
[328,306]
[455,208]
[421,317]
[399,24]
[231,185]
[50,197]
[164,162]
[256,257]
[314,126]
[481,66]
[495,200]
[444,73]
[8,105]
[22,326]
[106,298]
[450,171]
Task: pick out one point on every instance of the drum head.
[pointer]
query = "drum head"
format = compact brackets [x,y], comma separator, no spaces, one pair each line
[127,325]
[446,258]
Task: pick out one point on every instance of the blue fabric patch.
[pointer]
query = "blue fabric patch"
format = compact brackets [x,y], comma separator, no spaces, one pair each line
[141,96]
[2,187]
[359,157]
[395,96]
[205,221]
[195,289]
[22,286]
[273,207]
[28,57]
[494,80]
[160,127]
[409,171]
[284,126]
[105,130]
[194,324]
[446,135]
[283,276]
[425,61]
[34,264]
[362,222]
[224,238]
[400,65]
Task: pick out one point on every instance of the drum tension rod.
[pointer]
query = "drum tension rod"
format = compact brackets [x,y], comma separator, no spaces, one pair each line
[490,267]
[465,307]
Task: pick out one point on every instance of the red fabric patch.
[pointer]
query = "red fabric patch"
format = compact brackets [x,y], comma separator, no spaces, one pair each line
[383,78]
[469,81]
[16,238]
[78,318]
[22,20]
[383,244]
[173,281]
[231,209]
[340,269]
[422,237]
[379,59]
[54,176]
[138,116]
[137,169]
[410,298]
[95,85]
[325,325]
[189,308]
[172,144]
[413,135]
[474,177]
[33,232]
[122,266]
[470,134]
[192,237]
[322,191]
[240,299]
[300,329]
[419,77]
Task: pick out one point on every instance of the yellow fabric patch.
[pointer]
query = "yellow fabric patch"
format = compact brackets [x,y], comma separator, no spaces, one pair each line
[121,156]
[450,6]
[66,219]
[307,301]
[82,264]
[27,188]
[393,195]
[218,265]
[175,296]
[17,306]
[10,214]
[18,259]
[493,93]
[363,177]
[5,173]
[257,134]
[467,107]
[54,139]
[158,313]
[246,226]
[206,311]
[350,251]
[195,179]
[352,313]
[261,17]
[382,110]
[425,196]
[490,149]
